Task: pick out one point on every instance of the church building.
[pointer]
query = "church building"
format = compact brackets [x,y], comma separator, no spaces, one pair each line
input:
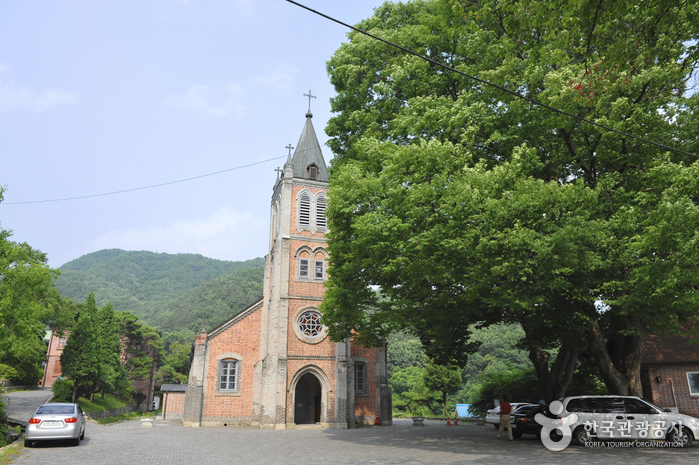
[272,365]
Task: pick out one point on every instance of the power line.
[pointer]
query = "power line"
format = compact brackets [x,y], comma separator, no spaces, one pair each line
[144,187]
[482,81]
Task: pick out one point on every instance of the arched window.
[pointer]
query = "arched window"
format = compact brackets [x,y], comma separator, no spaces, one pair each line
[228,375]
[320,212]
[305,209]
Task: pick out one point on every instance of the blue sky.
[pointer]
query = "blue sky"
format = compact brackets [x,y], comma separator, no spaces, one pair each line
[105,96]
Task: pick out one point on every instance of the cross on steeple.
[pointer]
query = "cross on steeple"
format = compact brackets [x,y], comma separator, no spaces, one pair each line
[290,148]
[310,96]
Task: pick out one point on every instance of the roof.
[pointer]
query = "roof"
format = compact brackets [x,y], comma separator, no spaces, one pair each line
[669,349]
[173,387]
[308,152]
[234,319]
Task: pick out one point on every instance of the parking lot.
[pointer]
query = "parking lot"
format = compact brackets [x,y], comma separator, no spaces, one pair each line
[169,443]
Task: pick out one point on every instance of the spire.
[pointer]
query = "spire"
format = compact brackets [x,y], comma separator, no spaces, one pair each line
[308,159]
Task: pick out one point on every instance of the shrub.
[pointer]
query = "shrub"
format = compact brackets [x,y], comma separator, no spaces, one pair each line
[62,390]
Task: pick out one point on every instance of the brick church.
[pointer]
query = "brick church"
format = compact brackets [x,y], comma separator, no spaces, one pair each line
[272,365]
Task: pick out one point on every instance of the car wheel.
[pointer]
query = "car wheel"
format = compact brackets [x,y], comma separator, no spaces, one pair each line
[76,441]
[27,443]
[516,435]
[683,438]
[581,435]
[82,436]
[496,425]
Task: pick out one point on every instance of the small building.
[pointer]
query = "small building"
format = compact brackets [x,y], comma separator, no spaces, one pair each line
[670,373]
[272,365]
[173,401]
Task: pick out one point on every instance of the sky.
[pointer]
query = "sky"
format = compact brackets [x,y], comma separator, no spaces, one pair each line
[98,97]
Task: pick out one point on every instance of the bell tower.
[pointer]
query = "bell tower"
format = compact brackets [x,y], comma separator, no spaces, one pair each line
[298,364]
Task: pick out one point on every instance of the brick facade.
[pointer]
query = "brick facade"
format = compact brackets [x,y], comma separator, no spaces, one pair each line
[287,372]
[666,362]
[52,369]
[173,401]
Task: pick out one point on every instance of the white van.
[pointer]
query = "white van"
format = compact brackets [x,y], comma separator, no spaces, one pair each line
[620,418]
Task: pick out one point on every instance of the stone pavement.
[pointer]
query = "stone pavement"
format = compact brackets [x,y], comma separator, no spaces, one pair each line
[23,404]
[169,443]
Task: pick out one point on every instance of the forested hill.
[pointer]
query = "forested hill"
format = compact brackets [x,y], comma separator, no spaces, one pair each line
[148,284]
[210,304]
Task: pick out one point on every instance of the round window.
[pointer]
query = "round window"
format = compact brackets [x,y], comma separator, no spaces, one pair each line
[309,324]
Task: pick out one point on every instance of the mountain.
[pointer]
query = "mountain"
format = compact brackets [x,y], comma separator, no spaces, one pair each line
[209,304]
[188,288]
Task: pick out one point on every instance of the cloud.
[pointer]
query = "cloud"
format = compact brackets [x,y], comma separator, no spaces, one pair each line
[12,97]
[280,80]
[196,99]
[225,235]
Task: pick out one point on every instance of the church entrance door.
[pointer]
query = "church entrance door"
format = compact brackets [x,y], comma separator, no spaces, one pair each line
[308,400]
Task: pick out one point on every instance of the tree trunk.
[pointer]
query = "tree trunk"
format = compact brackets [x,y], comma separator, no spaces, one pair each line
[624,376]
[553,382]
[75,390]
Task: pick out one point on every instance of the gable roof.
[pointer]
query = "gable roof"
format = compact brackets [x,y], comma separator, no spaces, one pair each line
[308,152]
[230,322]
[669,349]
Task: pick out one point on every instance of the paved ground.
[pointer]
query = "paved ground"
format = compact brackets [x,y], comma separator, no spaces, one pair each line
[23,404]
[168,443]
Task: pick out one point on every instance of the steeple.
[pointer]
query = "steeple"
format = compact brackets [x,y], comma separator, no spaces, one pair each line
[308,159]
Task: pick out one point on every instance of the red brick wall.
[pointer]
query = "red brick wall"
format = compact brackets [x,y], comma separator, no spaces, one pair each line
[242,338]
[173,405]
[53,366]
[365,408]
[662,392]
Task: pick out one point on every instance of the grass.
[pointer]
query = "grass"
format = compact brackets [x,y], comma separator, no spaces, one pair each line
[100,403]
[10,452]
[123,417]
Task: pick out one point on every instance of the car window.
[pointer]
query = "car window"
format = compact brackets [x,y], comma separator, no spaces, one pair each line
[638,406]
[578,405]
[526,409]
[607,405]
[55,410]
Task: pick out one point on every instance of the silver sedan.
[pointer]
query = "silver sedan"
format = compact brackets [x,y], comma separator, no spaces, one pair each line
[56,421]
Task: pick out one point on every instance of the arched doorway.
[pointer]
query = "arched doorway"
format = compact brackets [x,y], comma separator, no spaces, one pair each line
[307,397]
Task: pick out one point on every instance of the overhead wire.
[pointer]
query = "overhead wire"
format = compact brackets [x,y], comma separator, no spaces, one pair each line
[483,81]
[145,187]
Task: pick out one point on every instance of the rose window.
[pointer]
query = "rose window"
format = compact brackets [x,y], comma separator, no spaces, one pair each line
[309,324]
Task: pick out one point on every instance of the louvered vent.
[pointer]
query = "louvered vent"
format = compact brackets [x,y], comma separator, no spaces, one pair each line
[320,212]
[305,210]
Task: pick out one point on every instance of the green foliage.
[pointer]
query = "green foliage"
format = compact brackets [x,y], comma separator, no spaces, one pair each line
[404,350]
[91,357]
[414,401]
[7,372]
[29,303]
[141,346]
[175,368]
[441,378]
[522,386]
[62,390]
[465,204]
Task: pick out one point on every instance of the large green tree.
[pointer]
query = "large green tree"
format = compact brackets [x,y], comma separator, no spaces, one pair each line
[29,303]
[465,203]
[92,355]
